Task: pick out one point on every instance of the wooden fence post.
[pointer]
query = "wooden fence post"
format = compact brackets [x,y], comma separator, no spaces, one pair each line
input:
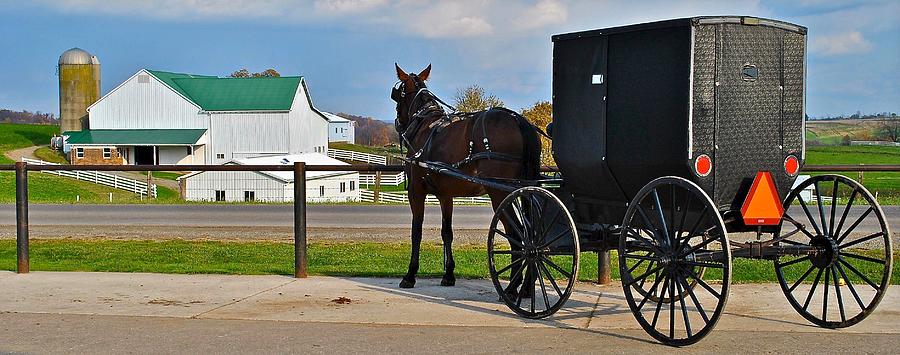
[376,195]
[22,260]
[300,263]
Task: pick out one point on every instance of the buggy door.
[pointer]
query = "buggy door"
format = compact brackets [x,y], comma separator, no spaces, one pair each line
[749,102]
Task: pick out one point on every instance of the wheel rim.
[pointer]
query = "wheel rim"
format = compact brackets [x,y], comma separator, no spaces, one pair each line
[843,282]
[672,233]
[533,252]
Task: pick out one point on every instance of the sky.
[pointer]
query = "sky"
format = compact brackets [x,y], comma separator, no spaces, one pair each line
[346,49]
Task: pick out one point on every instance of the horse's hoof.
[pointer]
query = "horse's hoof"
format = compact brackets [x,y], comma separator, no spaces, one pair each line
[448,281]
[404,283]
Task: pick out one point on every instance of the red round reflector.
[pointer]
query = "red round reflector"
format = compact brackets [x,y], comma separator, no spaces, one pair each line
[703,165]
[791,165]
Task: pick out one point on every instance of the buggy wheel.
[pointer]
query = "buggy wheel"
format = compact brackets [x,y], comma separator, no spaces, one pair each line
[533,252]
[847,275]
[671,236]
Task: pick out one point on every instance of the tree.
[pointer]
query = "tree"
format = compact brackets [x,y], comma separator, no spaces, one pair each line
[541,114]
[889,130]
[473,98]
[244,73]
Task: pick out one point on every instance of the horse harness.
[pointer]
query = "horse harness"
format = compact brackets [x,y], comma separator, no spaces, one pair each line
[408,135]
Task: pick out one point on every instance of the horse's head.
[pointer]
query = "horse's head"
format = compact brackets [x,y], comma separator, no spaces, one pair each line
[405,94]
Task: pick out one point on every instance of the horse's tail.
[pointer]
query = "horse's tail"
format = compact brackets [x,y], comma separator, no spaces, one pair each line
[531,148]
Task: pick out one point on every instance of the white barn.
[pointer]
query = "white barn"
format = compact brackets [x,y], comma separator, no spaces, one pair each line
[158,117]
[340,129]
[272,186]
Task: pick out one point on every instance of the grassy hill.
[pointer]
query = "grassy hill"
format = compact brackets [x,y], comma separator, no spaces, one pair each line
[887,184]
[832,132]
[44,188]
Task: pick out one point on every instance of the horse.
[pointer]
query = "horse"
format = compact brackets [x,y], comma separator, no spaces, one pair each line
[496,143]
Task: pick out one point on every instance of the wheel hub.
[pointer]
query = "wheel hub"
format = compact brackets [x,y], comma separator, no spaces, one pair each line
[826,251]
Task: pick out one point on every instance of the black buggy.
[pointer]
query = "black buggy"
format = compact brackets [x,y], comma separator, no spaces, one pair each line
[678,143]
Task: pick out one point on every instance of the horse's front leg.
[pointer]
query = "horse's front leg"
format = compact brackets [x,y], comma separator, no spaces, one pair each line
[417,205]
[447,237]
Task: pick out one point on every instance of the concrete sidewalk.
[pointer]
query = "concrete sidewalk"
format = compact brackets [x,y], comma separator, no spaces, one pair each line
[753,307]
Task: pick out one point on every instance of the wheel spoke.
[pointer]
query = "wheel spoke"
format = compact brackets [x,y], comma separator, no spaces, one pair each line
[702,264]
[551,279]
[565,273]
[862,257]
[856,223]
[662,217]
[543,287]
[508,252]
[672,309]
[792,262]
[635,266]
[846,211]
[650,225]
[802,278]
[855,271]
[850,286]
[690,291]
[684,313]
[812,290]
[659,304]
[837,291]
[697,223]
[700,282]
[698,246]
[511,240]
[507,267]
[834,191]
[821,208]
[809,215]
[559,235]
[684,213]
[825,295]
[799,225]
[862,240]
[640,257]
[652,291]
[649,266]
[644,275]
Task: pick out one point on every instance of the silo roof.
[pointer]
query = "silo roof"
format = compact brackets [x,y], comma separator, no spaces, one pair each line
[77,56]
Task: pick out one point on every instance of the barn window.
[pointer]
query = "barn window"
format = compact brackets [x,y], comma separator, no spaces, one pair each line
[322,191]
[352,185]
[220,195]
[79,152]
[107,153]
[220,156]
[343,187]
[143,79]
[249,196]
[189,151]
[335,130]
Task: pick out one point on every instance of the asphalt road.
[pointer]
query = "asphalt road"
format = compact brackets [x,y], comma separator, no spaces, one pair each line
[66,334]
[319,216]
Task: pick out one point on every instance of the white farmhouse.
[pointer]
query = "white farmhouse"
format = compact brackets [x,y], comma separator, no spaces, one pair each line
[340,129]
[158,117]
[272,186]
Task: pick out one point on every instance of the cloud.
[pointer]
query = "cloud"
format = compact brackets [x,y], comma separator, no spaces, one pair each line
[844,43]
[542,14]
[347,6]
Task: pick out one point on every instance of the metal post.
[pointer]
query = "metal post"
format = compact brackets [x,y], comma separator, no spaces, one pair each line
[22,260]
[376,195]
[300,265]
[603,268]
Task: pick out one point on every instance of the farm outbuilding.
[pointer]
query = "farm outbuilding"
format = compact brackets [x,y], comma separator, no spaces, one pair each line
[272,186]
[340,129]
[217,119]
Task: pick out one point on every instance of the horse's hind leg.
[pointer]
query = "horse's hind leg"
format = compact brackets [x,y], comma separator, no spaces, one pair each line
[447,237]
[417,205]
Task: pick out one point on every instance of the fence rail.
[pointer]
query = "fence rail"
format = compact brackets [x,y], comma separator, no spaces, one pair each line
[111,180]
[357,156]
[392,179]
[394,197]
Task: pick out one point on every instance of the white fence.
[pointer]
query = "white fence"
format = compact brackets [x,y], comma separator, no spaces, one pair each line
[392,179]
[357,156]
[114,181]
[394,197]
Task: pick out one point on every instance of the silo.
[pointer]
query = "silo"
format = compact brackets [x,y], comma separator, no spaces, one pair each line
[79,87]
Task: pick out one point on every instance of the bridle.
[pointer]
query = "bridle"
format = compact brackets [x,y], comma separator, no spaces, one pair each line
[432,104]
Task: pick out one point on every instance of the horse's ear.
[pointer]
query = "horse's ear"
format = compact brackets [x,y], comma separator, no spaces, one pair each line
[425,72]
[400,73]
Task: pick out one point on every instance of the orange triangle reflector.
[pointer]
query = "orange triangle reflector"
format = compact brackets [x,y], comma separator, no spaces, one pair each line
[762,206]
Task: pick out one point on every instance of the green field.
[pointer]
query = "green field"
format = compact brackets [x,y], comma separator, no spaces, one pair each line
[332,259]
[885,184]
[51,155]
[392,151]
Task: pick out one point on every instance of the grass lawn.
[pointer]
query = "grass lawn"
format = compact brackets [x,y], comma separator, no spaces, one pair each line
[53,156]
[365,148]
[887,184]
[45,188]
[15,136]
[168,175]
[332,259]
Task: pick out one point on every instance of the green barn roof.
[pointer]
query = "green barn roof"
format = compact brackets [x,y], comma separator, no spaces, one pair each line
[135,136]
[233,94]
